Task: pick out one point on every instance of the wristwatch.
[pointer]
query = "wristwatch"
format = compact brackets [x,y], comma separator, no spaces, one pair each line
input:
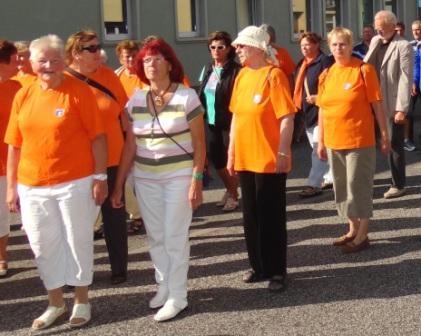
[100,177]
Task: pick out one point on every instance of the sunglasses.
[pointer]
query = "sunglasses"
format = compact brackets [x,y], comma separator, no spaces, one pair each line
[219,47]
[92,48]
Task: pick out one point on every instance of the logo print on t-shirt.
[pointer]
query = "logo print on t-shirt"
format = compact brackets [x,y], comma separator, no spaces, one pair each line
[59,112]
[347,86]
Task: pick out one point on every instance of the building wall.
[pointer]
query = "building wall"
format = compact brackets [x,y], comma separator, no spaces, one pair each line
[25,20]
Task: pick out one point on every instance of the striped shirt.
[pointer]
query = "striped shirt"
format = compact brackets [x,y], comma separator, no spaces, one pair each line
[157,156]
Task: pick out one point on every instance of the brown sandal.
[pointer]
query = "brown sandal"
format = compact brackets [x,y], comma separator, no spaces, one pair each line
[310,192]
[342,240]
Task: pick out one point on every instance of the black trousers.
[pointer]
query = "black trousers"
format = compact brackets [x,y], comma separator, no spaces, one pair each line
[397,154]
[410,115]
[115,229]
[264,212]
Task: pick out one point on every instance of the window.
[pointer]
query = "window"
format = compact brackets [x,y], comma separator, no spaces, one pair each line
[190,18]
[301,13]
[115,19]
[391,6]
[249,12]
[366,13]
[332,14]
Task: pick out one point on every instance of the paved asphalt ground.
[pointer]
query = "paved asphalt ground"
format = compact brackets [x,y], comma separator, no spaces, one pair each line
[375,292]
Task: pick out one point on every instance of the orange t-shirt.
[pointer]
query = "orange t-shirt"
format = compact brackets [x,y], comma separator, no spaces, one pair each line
[25,79]
[130,82]
[285,61]
[54,130]
[8,90]
[344,97]
[111,110]
[260,98]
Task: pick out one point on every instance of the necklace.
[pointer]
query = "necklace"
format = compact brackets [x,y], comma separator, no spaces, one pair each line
[159,99]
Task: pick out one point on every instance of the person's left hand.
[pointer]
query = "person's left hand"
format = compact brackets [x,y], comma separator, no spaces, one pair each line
[311,99]
[385,146]
[99,191]
[400,117]
[282,163]
[196,194]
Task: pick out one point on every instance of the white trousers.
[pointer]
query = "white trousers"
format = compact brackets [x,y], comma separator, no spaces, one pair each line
[167,216]
[319,171]
[59,221]
[4,210]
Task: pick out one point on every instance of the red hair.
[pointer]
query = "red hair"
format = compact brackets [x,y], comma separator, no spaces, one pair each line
[155,47]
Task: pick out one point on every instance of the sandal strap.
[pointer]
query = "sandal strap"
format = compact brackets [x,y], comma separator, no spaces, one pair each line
[81,310]
[50,315]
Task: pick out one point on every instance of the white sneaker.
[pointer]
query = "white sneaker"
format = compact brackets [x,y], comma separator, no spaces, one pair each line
[159,299]
[223,200]
[170,310]
[231,204]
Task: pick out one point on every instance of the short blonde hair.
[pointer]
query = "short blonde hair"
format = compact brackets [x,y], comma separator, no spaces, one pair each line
[47,42]
[344,33]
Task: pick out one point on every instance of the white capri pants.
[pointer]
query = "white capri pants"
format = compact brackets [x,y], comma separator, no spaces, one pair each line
[167,216]
[59,222]
[4,210]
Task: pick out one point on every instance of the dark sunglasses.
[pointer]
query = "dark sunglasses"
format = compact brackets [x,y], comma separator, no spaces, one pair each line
[220,47]
[92,48]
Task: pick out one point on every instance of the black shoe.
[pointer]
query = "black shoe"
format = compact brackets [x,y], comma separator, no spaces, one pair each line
[277,283]
[99,234]
[118,279]
[251,277]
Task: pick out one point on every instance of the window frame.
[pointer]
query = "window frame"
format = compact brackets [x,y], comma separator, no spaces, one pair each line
[255,13]
[310,10]
[338,3]
[111,37]
[200,19]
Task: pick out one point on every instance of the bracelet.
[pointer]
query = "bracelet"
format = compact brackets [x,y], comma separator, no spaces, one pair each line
[197,176]
[100,177]
[283,154]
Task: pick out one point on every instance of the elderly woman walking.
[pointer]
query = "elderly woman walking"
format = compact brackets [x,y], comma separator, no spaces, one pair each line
[306,79]
[8,89]
[349,92]
[84,62]
[260,153]
[215,94]
[166,143]
[56,163]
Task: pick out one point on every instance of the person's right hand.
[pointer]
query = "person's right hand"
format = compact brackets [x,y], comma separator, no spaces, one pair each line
[414,90]
[12,200]
[321,152]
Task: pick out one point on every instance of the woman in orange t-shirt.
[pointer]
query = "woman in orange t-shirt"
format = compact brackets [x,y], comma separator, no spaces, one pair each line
[349,92]
[56,164]
[8,89]
[126,52]
[84,61]
[259,151]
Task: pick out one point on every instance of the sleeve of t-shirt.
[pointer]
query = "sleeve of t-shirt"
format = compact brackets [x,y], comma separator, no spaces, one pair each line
[13,136]
[193,106]
[372,85]
[89,112]
[280,94]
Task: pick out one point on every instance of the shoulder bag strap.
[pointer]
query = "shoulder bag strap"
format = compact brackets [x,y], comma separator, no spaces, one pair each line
[91,82]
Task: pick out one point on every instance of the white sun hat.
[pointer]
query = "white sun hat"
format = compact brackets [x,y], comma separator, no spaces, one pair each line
[254,37]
